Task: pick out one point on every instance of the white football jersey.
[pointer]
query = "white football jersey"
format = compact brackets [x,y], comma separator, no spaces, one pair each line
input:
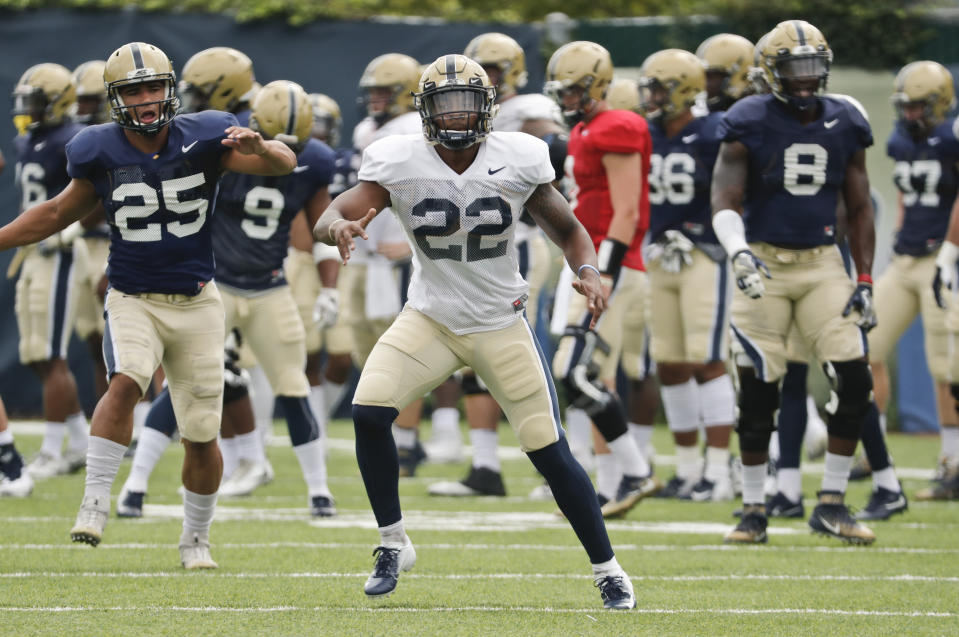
[516,110]
[461,227]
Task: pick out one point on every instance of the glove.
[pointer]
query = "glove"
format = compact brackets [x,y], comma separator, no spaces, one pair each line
[327,308]
[677,252]
[861,301]
[746,269]
[946,273]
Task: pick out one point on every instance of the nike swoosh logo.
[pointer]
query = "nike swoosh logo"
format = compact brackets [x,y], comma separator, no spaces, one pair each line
[186,149]
[830,527]
[493,172]
[831,123]
[933,141]
[689,139]
[300,169]
[895,505]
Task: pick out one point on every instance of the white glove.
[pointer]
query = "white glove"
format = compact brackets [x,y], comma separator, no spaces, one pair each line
[946,273]
[327,308]
[746,269]
[677,252]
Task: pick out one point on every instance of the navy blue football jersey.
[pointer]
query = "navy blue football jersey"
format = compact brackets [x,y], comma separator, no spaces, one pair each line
[251,230]
[158,206]
[680,174]
[346,167]
[41,170]
[796,171]
[926,175]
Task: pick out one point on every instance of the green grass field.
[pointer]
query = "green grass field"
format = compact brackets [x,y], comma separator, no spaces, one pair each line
[506,566]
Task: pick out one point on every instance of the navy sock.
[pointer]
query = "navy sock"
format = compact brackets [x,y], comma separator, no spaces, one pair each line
[376,456]
[873,442]
[161,416]
[575,496]
[792,415]
[299,419]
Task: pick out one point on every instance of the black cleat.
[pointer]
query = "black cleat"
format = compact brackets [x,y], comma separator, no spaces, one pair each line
[831,517]
[322,506]
[410,459]
[631,490]
[780,506]
[386,570]
[883,504]
[480,481]
[130,504]
[751,528]
[675,488]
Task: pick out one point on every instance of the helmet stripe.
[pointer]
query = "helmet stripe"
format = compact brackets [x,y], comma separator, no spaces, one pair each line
[137,55]
[799,32]
[450,67]
[291,120]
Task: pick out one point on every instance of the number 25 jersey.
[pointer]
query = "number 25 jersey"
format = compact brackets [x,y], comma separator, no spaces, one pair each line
[465,268]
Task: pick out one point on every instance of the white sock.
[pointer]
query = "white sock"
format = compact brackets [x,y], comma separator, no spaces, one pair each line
[6,437]
[835,476]
[313,465]
[405,438]
[717,465]
[605,569]
[150,448]
[607,475]
[103,461]
[789,483]
[332,394]
[446,423]
[950,442]
[579,427]
[261,395]
[140,411]
[393,536]
[754,480]
[198,513]
[230,454]
[318,407]
[886,479]
[53,435]
[249,446]
[643,435]
[774,447]
[689,463]
[631,460]
[485,442]
[78,432]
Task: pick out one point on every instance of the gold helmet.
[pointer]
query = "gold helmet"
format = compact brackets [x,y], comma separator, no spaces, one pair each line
[282,111]
[581,65]
[757,74]
[455,88]
[398,73]
[42,97]
[138,63]
[929,84]
[504,53]
[91,106]
[669,82]
[730,57]
[327,119]
[795,50]
[623,94]
[219,78]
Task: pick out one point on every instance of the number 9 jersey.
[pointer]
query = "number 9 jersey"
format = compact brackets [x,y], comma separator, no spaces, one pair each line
[796,171]
[157,205]
[461,226]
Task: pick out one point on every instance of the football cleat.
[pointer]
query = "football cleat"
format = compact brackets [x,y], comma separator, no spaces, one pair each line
[542,492]
[19,487]
[945,485]
[480,481]
[780,506]
[883,504]
[709,491]
[751,528]
[245,479]
[91,519]
[195,553]
[831,517]
[616,591]
[445,449]
[631,490]
[130,503]
[860,469]
[410,458]
[387,568]
[322,506]
[46,465]
[676,488]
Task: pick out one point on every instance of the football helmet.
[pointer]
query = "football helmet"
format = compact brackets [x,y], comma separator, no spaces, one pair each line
[42,97]
[397,73]
[91,106]
[282,111]
[669,82]
[757,74]
[924,83]
[729,56]
[455,89]
[795,51]
[623,94]
[583,66]
[138,63]
[218,78]
[504,53]
[327,119]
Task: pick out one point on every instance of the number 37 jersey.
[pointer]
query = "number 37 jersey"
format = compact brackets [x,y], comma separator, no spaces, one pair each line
[465,268]
[796,171]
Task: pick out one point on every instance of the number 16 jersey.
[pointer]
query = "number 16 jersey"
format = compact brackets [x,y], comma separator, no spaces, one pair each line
[465,269]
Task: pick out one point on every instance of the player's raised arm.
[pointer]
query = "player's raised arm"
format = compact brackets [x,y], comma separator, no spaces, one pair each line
[349,214]
[254,155]
[76,201]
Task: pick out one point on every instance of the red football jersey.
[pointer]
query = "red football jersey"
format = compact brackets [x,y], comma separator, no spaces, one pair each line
[612,131]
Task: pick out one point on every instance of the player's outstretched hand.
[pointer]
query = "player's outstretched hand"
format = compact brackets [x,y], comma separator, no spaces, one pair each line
[342,232]
[245,141]
[591,286]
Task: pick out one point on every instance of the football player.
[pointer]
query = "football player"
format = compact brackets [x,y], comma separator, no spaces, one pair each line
[691,288]
[608,161]
[458,194]
[155,174]
[50,271]
[15,480]
[728,59]
[785,160]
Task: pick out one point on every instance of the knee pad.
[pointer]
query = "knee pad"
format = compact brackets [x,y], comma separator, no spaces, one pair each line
[849,398]
[473,384]
[372,417]
[581,380]
[718,401]
[758,403]
[202,426]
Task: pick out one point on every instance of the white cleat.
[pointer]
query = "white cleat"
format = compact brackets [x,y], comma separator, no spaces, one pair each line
[91,519]
[542,492]
[445,450]
[19,488]
[46,465]
[75,460]
[195,553]
[246,478]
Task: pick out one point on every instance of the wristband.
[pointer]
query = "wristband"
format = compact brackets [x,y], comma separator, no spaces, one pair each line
[330,230]
[610,256]
[864,278]
[586,266]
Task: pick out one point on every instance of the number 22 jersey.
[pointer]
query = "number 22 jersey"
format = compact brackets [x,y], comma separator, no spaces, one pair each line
[461,226]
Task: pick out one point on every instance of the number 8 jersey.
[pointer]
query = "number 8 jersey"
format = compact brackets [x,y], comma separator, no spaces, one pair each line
[796,171]
[158,206]
[465,269]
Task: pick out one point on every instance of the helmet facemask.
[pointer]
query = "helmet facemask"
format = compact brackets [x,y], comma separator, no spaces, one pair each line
[800,68]
[29,108]
[126,115]
[456,116]
[573,112]
[655,100]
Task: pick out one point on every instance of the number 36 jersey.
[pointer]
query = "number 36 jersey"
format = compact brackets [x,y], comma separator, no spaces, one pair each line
[158,206]
[796,171]
[465,268]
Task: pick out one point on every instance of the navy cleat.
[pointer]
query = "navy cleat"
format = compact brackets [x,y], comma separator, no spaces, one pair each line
[130,503]
[631,490]
[831,517]
[410,458]
[780,506]
[322,506]
[386,570]
[616,591]
[676,488]
[751,528]
[883,504]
